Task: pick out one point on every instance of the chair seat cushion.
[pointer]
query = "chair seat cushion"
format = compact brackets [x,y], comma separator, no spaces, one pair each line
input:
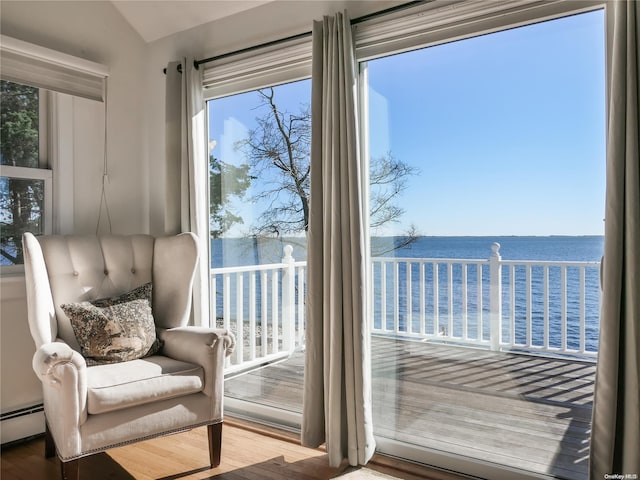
[122,385]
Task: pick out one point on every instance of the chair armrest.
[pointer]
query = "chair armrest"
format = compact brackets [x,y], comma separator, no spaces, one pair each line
[63,373]
[51,357]
[206,347]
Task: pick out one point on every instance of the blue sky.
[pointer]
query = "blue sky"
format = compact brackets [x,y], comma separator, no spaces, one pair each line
[507,129]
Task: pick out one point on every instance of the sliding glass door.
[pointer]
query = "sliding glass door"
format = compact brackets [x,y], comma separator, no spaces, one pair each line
[258,189]
[487,165]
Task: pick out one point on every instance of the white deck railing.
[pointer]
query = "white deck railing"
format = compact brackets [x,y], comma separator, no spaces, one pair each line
[263,305]
[544,306]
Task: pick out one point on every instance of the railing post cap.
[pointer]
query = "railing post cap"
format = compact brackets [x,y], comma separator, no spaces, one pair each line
[288,250]
[495,249]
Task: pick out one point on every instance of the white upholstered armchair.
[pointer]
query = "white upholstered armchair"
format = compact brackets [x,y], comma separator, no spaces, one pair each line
[106,382]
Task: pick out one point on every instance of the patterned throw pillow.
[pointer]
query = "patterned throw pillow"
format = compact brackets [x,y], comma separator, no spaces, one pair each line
[115,329]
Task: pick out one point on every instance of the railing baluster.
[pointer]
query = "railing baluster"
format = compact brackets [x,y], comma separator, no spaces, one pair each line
[583,313]
[512,304]
[226,303]
[275,338]
[264,292]
[252,315]
[465,332]
[383,296]
[372,298]
[528,306]
[480,305]
[495,297]
[436,300]
[396,297]
[409,315]
[213,313]
[287,316]
[545,288]
[301,296]
[239,317]
[450,298]
[563,307]
[422,299]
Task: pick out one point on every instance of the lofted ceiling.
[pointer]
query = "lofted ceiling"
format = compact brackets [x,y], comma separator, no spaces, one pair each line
[155,19]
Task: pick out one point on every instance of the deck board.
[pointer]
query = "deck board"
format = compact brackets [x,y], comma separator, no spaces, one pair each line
[527,411]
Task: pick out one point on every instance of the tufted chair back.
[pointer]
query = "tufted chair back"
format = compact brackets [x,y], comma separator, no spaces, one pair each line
[83,268]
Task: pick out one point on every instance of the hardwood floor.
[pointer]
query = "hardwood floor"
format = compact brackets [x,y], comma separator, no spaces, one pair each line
[249,453]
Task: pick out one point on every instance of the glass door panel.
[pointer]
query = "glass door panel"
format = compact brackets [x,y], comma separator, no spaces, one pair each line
[258,153]
[487,164]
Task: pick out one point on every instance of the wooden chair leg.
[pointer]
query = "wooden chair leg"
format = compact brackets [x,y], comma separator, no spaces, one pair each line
[70,469]
[49,444]
[215,443]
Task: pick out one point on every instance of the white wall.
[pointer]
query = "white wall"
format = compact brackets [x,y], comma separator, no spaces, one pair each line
[97,32]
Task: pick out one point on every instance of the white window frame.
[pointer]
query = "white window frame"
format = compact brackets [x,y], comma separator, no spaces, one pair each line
[27,173]
[428,25]
[265,67]
[60,78]
[43,172]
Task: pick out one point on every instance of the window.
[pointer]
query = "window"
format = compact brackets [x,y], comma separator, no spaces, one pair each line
[483,351]
[25,184]
[43,91]
[259,144]
[439,86]
[258,105]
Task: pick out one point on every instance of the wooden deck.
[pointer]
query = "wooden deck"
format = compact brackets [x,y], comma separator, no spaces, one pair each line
[526,411]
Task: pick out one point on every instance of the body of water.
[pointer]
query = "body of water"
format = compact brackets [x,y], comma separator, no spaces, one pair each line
[555,248]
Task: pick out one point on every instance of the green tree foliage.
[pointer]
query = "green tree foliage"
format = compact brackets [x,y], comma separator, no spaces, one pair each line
[279,149]
[21,200]
[225,181]
[19,112]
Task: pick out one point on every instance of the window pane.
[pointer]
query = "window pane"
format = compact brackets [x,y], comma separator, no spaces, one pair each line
[19,125]
[481,350]
[21,210]
[259,193]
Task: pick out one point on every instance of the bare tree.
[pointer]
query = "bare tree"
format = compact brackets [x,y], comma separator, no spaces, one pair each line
[278,150]
[387,179]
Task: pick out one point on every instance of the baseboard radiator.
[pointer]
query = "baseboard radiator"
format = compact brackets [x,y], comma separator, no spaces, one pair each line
[21,424]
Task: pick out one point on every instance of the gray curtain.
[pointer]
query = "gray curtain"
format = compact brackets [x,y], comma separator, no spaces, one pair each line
[173,142]
[337,394]
[187,166]
[615,435]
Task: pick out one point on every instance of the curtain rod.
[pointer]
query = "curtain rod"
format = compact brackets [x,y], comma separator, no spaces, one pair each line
[355,21]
